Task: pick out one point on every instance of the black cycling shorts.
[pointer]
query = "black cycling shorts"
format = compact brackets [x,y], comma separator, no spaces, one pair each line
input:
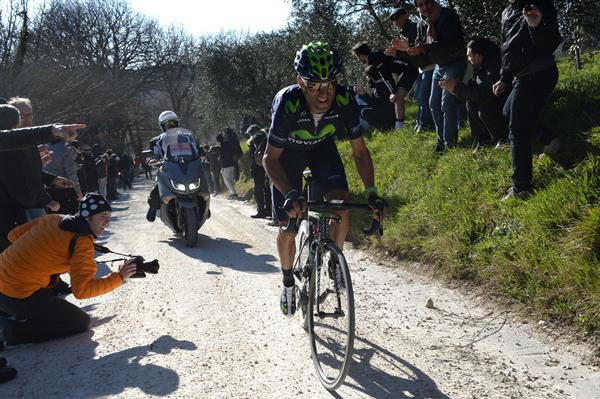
[325,164]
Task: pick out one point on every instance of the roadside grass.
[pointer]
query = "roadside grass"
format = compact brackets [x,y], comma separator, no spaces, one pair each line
[446,210]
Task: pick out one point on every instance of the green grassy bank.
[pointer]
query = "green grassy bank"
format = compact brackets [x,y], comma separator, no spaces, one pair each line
[446,210]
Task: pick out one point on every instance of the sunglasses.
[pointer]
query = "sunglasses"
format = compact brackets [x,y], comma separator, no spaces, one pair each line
[320,86]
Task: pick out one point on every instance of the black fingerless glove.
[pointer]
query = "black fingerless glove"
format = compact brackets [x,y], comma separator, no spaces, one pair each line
[377,202]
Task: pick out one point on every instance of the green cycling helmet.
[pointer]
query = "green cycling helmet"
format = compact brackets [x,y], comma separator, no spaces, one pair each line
[317,61]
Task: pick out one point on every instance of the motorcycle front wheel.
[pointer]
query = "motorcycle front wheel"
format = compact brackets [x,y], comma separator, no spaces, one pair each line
[190,228]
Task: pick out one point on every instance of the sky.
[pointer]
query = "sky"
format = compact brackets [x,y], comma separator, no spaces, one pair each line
[200,17]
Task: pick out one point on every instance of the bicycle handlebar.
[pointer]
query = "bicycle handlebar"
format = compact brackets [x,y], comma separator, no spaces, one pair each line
[326,206]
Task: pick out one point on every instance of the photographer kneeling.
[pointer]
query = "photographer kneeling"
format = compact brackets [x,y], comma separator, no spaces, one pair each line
[42,248]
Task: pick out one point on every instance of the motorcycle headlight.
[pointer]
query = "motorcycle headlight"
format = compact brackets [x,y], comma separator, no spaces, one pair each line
[193,186]
[178,186]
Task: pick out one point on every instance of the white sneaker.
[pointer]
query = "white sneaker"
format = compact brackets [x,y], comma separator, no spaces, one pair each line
[399,125]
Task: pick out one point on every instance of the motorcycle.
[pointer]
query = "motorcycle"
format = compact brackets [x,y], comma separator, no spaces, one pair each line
[185,199]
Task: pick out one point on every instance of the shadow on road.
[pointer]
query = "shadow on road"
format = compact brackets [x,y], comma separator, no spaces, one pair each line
[226,253]
[68,368]
[400,379]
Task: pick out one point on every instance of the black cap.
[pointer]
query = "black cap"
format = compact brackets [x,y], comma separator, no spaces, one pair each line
[397,13]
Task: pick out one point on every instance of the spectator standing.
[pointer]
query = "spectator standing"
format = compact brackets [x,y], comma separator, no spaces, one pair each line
[440,36]
[408,36]
[215,167]
[262,190]
[146,168]
[63,165]
[102,173]
[81,172]
[22,171]
[227,165]
[90,169]
[206,167]
[126,170]
[236,150]
[112,175]
[530,35]
[488,124]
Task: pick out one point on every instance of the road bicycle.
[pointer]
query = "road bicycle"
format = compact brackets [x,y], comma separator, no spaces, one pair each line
[324,286]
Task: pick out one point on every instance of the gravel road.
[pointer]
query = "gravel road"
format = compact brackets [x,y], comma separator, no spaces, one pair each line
[208,326]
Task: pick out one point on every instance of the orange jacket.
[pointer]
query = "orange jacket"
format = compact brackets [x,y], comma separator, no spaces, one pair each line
[40,249]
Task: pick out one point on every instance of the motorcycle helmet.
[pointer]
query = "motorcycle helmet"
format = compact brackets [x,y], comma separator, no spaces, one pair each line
[168,120]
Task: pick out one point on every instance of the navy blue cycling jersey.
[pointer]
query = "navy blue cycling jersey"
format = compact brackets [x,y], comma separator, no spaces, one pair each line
[293,125]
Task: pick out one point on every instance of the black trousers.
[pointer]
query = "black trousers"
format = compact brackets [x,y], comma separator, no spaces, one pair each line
[45,315]
[111,189]
[523,108]
[262,193]
[487,121]
[216,178]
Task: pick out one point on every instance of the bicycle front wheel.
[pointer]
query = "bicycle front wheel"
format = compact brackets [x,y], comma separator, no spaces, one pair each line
[331,317]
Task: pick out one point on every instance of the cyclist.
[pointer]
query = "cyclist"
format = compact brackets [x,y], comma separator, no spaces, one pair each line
[305,118]
[174,141]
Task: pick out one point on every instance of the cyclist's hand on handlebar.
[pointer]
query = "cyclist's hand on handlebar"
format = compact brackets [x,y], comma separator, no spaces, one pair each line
[292,204]
[378,204]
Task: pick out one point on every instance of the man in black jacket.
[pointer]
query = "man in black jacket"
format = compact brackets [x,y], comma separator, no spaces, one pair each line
[530,35]
[488,124]
[11,191]
[26,179]
[440,35]
[422,90]
[388,66]
[227,161]
[262,190]
[379,111]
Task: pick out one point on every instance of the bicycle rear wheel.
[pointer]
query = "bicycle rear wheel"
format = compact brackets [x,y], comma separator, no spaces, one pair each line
[331,318]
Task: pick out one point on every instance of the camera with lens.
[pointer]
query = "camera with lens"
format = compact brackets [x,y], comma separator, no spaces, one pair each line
[143,267]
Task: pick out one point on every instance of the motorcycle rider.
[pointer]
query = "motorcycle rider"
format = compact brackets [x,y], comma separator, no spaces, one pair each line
[174,141]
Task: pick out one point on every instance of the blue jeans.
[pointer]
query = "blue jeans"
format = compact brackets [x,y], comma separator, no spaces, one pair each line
[422,94]
[444,104]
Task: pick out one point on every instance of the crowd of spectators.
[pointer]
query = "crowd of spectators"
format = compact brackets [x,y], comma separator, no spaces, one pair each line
[45,170]
[501,87]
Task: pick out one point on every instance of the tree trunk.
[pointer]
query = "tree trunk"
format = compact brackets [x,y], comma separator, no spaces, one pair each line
[373,14]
